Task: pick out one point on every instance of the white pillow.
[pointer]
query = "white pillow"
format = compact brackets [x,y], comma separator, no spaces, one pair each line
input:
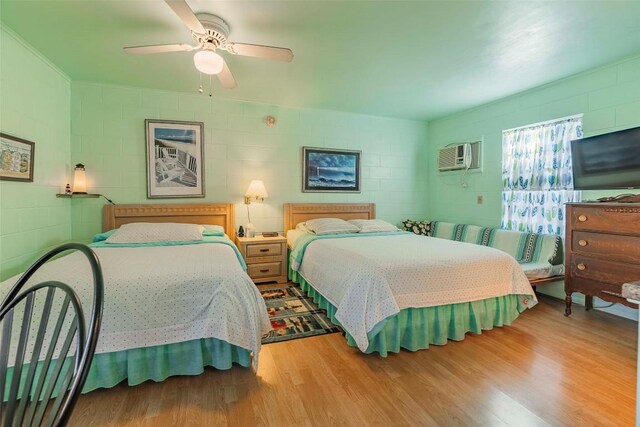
[147,232]
[320,226]
[373,225]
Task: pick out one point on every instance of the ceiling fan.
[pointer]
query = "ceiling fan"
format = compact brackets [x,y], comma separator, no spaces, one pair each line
[211,32]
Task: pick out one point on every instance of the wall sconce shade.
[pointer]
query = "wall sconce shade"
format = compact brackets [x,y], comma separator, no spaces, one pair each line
[79,180]
[255,192]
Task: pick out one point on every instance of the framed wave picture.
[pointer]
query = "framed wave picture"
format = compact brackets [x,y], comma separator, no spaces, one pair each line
[16,158]
[175,159]
[330,170]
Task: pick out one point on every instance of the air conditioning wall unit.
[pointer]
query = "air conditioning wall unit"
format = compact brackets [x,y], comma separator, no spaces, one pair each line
[459,156]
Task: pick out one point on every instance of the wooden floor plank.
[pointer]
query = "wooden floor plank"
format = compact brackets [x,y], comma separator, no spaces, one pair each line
[545,369]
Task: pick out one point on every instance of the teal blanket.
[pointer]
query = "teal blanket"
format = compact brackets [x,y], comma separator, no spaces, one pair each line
[300,246]
[99,241]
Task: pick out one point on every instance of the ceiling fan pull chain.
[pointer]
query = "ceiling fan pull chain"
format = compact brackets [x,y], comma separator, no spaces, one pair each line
[200,90]
[210,86]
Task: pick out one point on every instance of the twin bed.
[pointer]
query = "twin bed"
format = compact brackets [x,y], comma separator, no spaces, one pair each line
[172,309]
[169,308]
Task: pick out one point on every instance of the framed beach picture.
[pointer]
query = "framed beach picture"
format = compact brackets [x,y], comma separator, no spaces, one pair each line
[330,170]
[175,159]
[16,158]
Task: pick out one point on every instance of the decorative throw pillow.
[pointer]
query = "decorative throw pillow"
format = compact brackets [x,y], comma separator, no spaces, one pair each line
[422,228]
[372,225]
[146,232]
[320,226]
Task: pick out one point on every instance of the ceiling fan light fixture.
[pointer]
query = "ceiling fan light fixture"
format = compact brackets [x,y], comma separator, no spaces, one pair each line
[208,62]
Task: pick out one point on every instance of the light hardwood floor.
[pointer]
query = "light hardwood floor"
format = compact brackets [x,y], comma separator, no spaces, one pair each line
[546,369]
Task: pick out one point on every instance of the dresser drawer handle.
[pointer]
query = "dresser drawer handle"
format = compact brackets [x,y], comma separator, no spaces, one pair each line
[582,242]
[264,250]
[266,270]
[581,266]
[582,218]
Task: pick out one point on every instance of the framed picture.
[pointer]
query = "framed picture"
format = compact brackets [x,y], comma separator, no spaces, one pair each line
[330,170]
[16,158]
[175,159]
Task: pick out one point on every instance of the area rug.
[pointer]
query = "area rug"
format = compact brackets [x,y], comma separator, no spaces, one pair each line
[293,315]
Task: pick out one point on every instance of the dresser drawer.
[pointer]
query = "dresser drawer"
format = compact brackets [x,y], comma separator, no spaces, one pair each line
[608,246]
[266,249]
[610,219]
[264,269]
[603,271]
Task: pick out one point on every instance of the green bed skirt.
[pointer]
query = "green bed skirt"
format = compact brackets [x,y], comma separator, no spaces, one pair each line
[156,363]
[415,328]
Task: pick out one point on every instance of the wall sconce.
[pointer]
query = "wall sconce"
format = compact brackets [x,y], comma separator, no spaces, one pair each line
[79,180]
[255,192]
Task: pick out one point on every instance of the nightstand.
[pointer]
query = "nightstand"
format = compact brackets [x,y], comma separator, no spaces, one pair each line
[266,258]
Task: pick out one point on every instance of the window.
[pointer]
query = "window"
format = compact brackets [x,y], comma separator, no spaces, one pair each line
[537,177]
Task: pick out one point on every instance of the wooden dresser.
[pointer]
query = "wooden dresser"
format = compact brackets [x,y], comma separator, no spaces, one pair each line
[602,250]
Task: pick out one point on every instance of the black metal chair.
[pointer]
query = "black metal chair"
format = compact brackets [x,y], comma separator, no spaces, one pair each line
[52,350]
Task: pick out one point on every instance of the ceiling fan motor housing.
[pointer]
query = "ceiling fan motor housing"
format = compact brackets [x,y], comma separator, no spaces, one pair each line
[217,30]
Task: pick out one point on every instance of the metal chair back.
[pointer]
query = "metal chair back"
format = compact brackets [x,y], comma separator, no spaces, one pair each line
[46,348]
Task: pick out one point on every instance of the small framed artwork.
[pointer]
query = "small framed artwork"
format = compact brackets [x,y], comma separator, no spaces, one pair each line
[175,159]
[16,158]
[330,170]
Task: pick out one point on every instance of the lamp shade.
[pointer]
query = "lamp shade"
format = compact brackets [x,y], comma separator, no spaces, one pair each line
[208,62]
[79,179]
[256,190]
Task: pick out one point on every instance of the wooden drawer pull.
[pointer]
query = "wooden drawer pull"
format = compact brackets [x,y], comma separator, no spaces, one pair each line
[581,266]
[582,218]
[266,270]
[264,250]
[582,242]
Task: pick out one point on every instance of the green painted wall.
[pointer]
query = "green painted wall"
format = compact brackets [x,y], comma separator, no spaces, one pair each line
[34,105]
[608,96]
[108,136]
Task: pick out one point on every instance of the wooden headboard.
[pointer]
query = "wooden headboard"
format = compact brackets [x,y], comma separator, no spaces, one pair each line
[300,212]
[201,213]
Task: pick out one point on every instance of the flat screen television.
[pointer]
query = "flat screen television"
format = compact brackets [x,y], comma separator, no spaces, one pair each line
[608,161]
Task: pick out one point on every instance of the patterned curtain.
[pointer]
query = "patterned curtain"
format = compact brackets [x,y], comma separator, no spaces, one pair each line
[537,177]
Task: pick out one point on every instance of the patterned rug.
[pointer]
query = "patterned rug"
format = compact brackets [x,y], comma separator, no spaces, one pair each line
[294,315]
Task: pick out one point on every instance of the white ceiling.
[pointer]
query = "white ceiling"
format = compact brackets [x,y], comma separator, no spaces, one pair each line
[415,59]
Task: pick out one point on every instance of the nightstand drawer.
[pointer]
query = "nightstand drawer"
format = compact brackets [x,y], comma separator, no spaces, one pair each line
[266,269]
[266,249]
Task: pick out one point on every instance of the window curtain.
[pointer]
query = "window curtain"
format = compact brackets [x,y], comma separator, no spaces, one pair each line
[537,176]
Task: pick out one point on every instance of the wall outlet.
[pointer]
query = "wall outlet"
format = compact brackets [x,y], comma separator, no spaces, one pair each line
[480,200]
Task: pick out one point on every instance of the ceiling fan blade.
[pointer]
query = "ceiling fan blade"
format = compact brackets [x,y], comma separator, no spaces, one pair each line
[159,48]
[259,51]
[182,9]
[226,78]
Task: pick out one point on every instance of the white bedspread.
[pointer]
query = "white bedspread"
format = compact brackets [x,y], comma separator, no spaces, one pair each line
[166,294]
[371,278]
